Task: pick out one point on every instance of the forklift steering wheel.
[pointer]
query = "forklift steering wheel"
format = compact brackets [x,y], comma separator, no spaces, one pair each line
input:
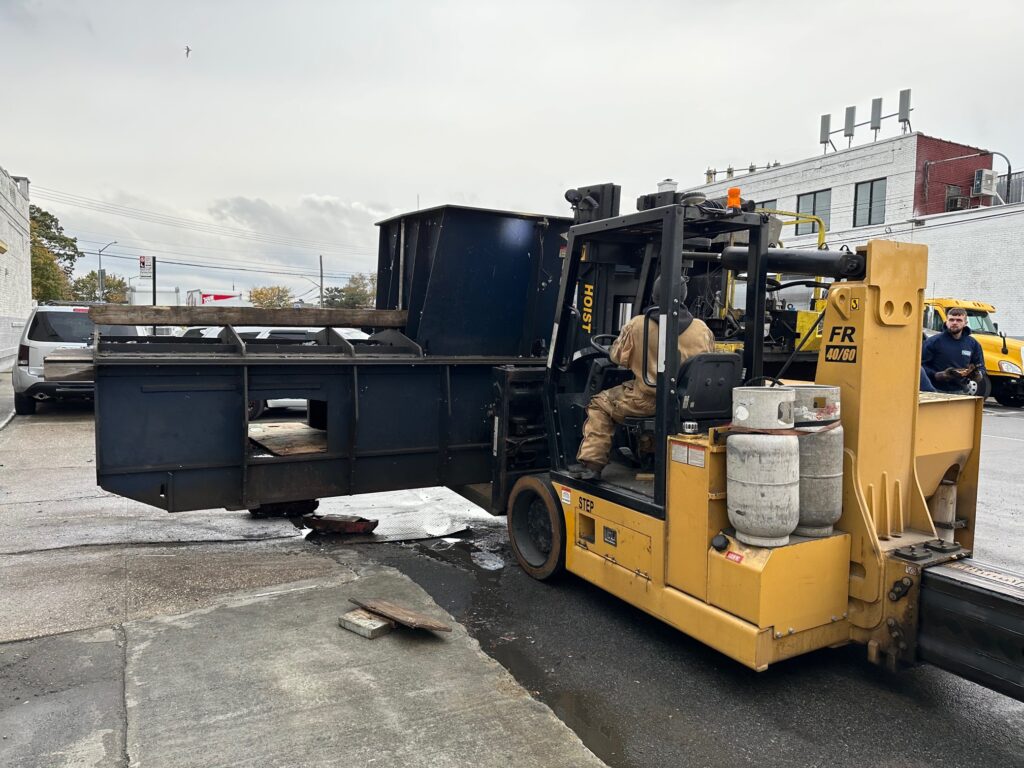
[596,344]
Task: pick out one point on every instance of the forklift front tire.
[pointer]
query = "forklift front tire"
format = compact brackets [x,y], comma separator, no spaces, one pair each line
[536,527]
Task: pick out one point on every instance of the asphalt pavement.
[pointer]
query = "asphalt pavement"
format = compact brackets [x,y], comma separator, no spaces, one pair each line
[131,637]
[135,637]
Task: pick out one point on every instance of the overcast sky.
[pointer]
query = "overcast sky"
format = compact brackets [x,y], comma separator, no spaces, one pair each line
[303,123]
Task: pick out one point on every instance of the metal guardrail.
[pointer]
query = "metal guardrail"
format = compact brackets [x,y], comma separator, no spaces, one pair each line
[1016,188]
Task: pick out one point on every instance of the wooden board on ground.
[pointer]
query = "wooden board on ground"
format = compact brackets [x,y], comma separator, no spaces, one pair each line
[404,616]
[364,623]
[288,438]
[68,365]
[339,523]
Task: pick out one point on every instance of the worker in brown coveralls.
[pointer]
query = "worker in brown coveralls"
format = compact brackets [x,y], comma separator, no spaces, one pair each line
[634,398]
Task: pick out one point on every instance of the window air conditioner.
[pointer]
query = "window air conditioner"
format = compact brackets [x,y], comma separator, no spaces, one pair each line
[985,182]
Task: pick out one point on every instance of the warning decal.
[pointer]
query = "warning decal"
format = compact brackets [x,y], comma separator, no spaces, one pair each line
[695,457]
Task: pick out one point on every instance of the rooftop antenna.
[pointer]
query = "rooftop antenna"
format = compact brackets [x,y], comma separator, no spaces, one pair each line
[850,123]
[825,139]
[876,116]
[904,113]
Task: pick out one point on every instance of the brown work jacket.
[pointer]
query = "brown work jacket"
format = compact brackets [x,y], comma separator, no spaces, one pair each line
[627,350]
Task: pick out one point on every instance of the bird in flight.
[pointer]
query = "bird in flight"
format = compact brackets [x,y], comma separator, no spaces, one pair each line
[187,51]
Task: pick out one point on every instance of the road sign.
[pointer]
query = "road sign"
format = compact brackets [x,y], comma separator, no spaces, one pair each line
[145,266]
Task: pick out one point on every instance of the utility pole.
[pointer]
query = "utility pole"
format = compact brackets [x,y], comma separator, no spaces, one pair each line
[322,279]
[99,269]
[154,290]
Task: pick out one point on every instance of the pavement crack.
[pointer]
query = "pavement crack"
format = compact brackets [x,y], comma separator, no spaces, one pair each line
[122,641]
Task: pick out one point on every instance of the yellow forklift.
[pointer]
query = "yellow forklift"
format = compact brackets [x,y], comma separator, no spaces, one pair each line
[656,533]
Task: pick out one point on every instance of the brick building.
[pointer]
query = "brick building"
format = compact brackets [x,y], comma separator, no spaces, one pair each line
[913,188]
[15,265]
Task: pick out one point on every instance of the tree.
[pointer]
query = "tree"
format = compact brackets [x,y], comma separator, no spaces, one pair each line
[49,234]
[49,283]
[115,289]
[359,292]
[271,297]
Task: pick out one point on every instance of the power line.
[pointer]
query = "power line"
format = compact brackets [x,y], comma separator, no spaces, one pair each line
[194,225]
[248,262]
[232,268]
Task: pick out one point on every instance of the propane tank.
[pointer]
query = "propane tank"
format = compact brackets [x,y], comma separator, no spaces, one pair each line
[816,413]
[763,470]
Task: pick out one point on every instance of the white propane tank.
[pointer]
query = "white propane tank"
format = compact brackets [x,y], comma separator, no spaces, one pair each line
[763,407]
[815,410]
[763,470]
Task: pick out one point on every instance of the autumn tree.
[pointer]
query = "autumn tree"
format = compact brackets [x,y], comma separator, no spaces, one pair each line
[271,297]
[47,233]
[87,288]
[359,292]
[49,283]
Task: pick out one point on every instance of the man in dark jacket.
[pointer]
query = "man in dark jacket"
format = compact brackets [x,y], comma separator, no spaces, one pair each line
[953,358]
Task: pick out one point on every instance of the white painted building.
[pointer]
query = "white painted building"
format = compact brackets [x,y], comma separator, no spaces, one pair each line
[15,264]
[913,188]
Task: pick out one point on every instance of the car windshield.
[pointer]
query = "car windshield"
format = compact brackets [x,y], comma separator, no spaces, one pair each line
[980,322]
[71,327]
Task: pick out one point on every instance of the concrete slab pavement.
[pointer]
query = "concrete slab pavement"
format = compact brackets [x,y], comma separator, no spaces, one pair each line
[273,680]
[212,639]
[51,592]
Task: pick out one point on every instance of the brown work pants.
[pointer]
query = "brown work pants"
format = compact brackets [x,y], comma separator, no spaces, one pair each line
[605,410]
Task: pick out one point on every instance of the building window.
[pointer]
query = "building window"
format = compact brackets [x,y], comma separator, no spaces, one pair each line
[771,205]
[817,204]
[869,203]
[955,199]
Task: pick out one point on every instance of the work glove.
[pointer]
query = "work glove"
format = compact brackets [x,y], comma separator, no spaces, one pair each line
[947,376]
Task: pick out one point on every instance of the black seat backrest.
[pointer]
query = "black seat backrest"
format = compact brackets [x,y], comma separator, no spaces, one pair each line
[705,386]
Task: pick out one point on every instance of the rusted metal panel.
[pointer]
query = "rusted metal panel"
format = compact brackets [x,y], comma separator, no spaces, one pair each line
[338,523]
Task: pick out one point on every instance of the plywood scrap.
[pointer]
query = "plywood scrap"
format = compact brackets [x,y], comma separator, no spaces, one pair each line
[400,614]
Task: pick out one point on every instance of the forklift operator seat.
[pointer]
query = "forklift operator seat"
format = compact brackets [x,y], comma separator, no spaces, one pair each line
[705,386]
[705,389]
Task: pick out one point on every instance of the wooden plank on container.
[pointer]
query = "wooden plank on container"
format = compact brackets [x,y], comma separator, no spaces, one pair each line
[402,615]
[121,314]
[288,438]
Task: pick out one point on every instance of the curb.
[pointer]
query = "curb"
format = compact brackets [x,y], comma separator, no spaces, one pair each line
[7,420]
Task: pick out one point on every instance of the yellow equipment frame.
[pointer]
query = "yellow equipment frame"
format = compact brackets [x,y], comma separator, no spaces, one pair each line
[759,606]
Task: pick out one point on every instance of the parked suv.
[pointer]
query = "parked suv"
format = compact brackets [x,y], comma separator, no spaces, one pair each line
[50,327]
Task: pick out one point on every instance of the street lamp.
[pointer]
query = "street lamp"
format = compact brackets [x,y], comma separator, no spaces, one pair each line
[99,269]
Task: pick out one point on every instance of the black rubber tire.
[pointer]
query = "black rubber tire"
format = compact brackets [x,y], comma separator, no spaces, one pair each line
[24,405]
[1003,397]
[256,409]
[536,527]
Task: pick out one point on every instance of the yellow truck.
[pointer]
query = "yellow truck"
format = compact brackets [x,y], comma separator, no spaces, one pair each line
[1004,357]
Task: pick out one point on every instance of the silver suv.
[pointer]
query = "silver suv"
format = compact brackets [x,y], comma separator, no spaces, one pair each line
[50,327]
